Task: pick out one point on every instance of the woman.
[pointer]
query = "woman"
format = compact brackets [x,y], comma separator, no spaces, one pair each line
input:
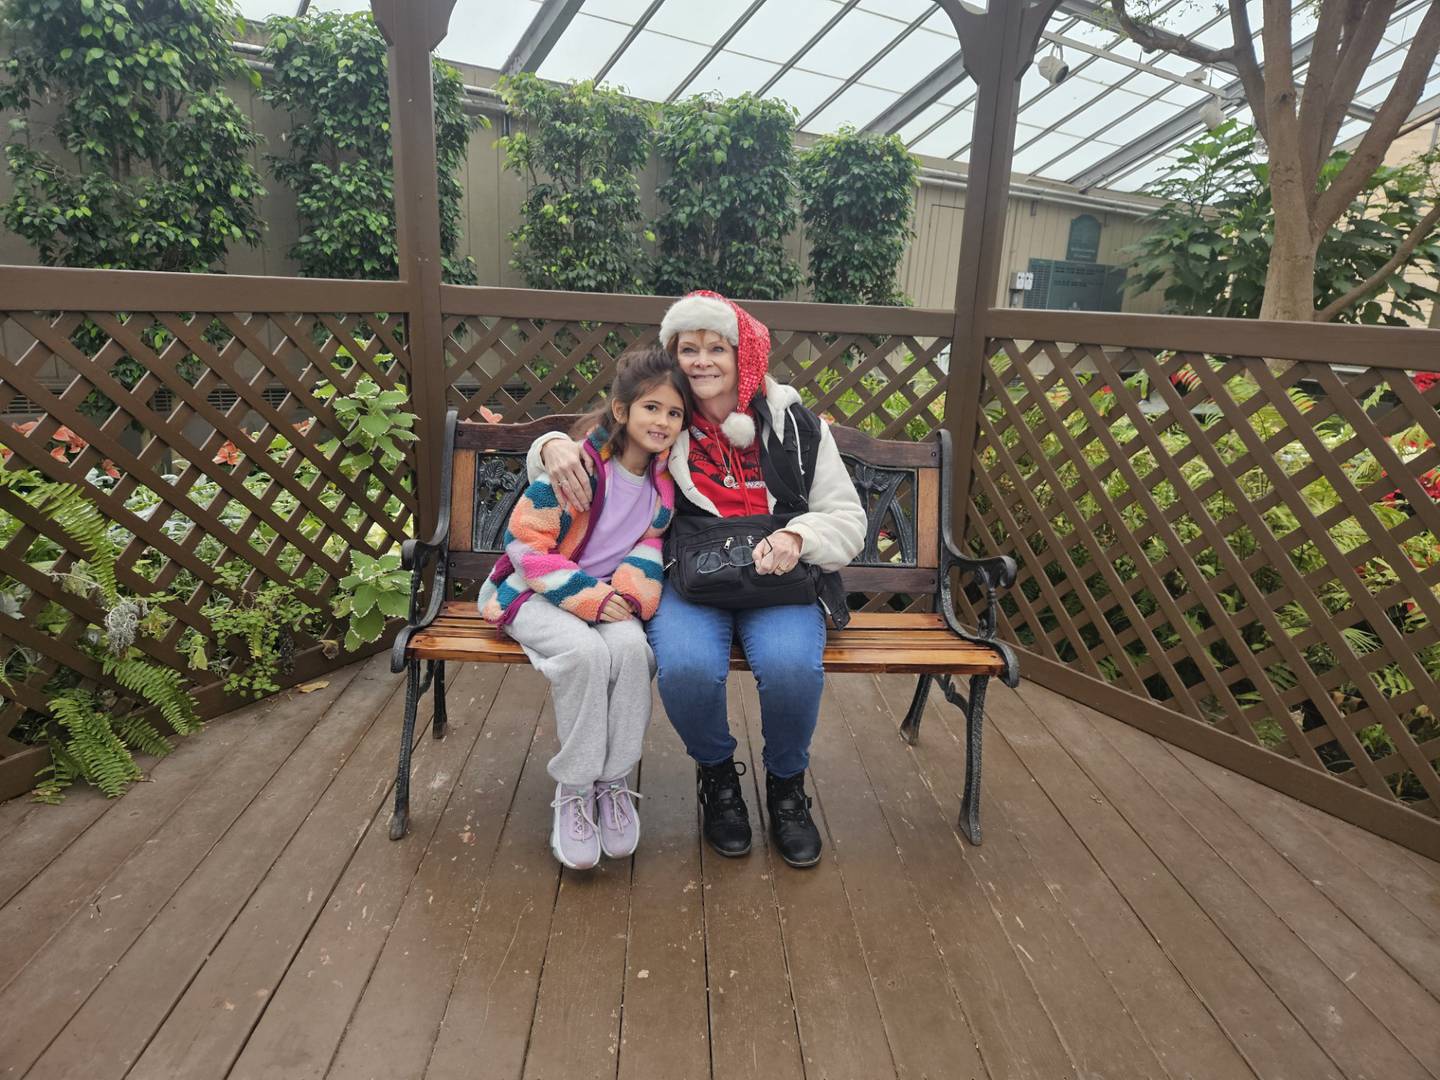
[749,435]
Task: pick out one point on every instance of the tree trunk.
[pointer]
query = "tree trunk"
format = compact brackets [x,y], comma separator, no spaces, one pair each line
[1290,280]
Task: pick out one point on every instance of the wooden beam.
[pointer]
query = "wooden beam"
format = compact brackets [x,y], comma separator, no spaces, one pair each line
[413,29]
[997,45]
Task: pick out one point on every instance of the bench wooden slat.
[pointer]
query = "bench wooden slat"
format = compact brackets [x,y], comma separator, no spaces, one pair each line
[903,643]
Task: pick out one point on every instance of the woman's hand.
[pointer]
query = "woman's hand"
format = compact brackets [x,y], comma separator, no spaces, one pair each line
[569,470]
[616,609]
[778,553]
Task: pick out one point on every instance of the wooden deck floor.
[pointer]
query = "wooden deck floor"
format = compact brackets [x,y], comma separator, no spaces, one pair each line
[1134,912]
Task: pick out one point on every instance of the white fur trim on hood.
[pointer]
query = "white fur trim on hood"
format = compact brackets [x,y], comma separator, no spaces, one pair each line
[699,313]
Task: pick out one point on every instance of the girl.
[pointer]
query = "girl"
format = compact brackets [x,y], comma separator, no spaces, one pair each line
[573,591]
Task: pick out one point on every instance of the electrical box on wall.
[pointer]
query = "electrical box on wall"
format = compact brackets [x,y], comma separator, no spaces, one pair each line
[1024,281]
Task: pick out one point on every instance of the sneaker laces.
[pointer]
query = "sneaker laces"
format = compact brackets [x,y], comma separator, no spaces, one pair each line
[581,825]
[613,792]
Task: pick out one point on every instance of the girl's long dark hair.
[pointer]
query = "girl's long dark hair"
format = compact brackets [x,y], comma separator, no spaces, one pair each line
[639,371]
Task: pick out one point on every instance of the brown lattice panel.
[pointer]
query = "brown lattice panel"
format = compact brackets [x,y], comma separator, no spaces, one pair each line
[199,437]
[1253,545]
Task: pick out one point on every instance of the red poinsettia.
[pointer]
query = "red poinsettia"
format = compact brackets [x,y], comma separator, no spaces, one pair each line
[229,454]
[1424,380]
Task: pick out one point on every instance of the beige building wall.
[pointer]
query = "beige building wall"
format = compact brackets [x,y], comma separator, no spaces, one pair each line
[1404,149]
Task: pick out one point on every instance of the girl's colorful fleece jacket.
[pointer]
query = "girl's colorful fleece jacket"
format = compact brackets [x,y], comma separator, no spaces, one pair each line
[543,545]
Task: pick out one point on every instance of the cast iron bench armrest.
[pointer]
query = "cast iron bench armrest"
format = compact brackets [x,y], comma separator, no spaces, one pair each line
[991,574]
[414,554]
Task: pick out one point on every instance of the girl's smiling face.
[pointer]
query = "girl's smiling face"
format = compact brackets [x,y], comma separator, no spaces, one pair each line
[708,361]
[654,419]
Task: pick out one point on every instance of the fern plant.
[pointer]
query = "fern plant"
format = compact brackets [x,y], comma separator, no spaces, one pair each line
[91,739]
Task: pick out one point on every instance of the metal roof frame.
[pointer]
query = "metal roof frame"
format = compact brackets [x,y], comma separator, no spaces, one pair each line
[543,33]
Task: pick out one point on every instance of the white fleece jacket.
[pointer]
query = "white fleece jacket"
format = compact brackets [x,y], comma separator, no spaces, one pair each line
[831,532]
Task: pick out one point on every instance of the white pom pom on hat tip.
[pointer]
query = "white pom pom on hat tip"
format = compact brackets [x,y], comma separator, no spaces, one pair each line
[739,428]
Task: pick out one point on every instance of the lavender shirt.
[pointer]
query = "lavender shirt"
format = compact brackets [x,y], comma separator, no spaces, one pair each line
[625,515]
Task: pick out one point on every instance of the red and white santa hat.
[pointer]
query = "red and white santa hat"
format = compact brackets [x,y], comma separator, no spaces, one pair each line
[706,310]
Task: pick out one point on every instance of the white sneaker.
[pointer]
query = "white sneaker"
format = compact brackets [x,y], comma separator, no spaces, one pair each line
[573,837]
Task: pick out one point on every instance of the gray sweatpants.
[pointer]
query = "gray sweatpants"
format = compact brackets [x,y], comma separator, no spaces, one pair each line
[600,685]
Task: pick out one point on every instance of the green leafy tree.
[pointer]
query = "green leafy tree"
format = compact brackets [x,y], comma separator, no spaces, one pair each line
[728,197]
[579,154]
[1211,242]
[857,191]
[331,76]
[155,173]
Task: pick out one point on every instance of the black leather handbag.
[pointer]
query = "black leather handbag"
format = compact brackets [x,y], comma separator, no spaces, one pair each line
[711,561]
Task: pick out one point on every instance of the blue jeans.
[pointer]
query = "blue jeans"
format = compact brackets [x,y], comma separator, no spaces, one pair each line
[785,647]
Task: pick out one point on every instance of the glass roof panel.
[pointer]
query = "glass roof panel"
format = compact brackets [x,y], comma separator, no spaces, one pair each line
[624,11]
[857,105]
[574,56]
[654,64]
[777,31]
[851,42]
[805,89]
[929,115]
[704,23]
[260,10]
[943,140]
[914,58]
[732,73]
[1027,160]
[480,33]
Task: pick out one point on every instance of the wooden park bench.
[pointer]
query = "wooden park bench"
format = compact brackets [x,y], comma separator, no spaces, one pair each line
[908,550]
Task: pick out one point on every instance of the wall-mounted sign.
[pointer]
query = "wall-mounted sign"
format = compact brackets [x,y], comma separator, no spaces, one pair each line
[1084,245]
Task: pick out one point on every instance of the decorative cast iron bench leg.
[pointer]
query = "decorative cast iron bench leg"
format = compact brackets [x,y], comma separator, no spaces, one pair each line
[974,708]
[910,727]
[401,820]
[437,728]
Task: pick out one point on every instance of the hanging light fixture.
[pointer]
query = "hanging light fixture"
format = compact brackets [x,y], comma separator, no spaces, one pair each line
[1053,68]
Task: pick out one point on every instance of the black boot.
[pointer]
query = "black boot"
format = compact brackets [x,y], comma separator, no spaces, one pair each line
[791,826]
[726,822]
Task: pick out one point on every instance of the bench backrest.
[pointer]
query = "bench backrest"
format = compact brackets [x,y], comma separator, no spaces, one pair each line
[902,484]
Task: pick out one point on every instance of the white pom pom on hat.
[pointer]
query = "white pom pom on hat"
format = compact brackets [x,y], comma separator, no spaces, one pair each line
[706,310]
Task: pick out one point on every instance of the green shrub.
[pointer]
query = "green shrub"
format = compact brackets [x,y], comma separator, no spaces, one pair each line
[331,77]
[579,154]
[857,191]
[156,174]
[728,197]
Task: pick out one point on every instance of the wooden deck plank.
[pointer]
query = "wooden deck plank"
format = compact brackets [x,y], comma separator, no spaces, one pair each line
[1407,876]
[841,1032]
[665,1022]
[1256,1019]
[1174,1021]
[137,995]
[1091,1018]
[1321,1000]
[50,886]
[392,1031]
[752,1011]
[33,835]
[492,1003]
[1399,1002]
[306,1012]
[1017,1039]
[926,1027]
[1405,937]
[58,979]
[576,1032]
[208,1027]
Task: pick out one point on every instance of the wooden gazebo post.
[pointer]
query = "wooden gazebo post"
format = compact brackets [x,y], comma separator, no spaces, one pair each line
[413,29]
[996,46]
